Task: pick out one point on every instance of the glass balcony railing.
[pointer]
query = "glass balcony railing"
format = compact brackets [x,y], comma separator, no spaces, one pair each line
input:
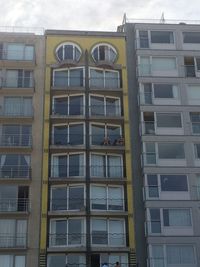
[110,140]
[8,240]
[148,127]
[110,110]
[63,171]
[67,140]
[107,239]
[190,71]
[153,227]
[72,239]
[195,127]
[15,171]
[112,171]
[15,140]
[20,82]
[18,112]
[14,205]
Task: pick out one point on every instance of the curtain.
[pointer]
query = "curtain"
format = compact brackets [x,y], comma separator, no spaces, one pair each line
[19,261]
[7,233]
[115,201]
[55,166]
[182,254]
[15,51]
[114,167]
[13,106]
[21,233]
[97,165]
[116,233]
[11,78]
[29,52]
[7,261]
[179,217]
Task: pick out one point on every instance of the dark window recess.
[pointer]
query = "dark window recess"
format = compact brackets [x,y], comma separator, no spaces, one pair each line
[191,37]
[166,217]
[174,183]
[162,37]
[163,90]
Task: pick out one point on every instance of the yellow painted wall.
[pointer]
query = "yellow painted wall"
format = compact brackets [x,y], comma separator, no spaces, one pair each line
[85,42]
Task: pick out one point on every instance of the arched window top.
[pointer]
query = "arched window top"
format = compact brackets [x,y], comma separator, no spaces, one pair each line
[104,52]
[68,51]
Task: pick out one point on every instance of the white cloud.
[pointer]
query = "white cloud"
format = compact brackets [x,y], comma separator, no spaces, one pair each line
[91,14]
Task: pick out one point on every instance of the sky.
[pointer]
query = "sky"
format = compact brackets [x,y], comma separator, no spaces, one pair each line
[103,15]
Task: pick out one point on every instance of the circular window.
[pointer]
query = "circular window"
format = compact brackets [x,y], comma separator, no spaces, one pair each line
[104,52]
[68,51]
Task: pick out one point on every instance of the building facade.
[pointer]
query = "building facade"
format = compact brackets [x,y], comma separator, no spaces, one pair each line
[87,204]
[21,116]
[164,90]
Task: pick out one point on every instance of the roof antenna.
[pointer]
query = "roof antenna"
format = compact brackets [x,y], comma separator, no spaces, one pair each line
[124,19]
[162,19]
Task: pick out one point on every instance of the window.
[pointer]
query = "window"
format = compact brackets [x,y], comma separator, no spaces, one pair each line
[63,166]
[67,232]
[171,151]
[17,51]
[162,37]
[67,198]
[103,52]
[172,120]
[173,182]
[13,233]
[176,217]
[15,166]
[70,134]
[106,165]
[191,37]
[197,150]
[180,254]
[165,91]
[68,51]
[143,39]
[195,120]
[70,77]
[157,259]
[152,183]
[105,134]
[102,78]
[12,260]
[163,64]
[107,198]
[104,106]
[68,105]
[19,78]
[16,135]
[193,92]
[62,260]
[155,223]
[14,198]
[18,106]
[150,153]
[108,232]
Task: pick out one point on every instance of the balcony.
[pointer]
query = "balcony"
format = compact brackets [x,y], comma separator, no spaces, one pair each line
[107,204]
[17,241]
[63,140]
[147,70]
[107,142]
[112,111]
[16,113]
[103,238]
[111,171]
[63,171]
[16,140]
[14,205]
[15,171]
[63,110]
[190,71]
[195,128]
[20,82]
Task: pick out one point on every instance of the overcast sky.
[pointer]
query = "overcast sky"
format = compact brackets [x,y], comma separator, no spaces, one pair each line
[91,14]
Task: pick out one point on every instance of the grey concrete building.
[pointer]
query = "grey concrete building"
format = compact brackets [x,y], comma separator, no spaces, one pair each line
[164,92]
[21,117]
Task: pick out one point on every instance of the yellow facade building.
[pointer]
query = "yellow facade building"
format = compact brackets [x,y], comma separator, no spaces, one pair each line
[87,202]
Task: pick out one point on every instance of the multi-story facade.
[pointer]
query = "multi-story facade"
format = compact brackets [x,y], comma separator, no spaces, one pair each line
[21,116]
[163,76]
[87,205]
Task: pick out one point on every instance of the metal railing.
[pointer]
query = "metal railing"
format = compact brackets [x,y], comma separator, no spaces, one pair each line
[67,109]
[146,98]
[25,30]
[10,140]
[18,112]
[14,205]
[15,171]
[13,241]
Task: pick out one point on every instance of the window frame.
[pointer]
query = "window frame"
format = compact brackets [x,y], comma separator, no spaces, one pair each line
[74,46]
[109,47]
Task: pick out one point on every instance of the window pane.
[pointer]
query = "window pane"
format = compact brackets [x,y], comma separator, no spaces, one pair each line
[75,230]
[197,151]
[152,182]
[162,37]
[173,182]
[155,221]
[61,78]
[115,198]
[60,106]
[171,151]
[99,231]
[76,167]
[76,132]
[111,79]
[114,133]
[115,168]
[113,107]
[172,120]
[68,52]
[191,37]
[59,198]
[97,105]
[193,92]
[98,165]
[176,217]
[20,261]
[15,51]
[180,254]
[98,134]
[96,78]
[76,105]
[60,135]
[76,77]
[98,196]
[158,256]
[76,198]
[163,91]
[58,233]
[116,232]
[6,261]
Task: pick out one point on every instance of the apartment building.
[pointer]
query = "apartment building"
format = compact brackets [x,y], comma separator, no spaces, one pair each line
[163,62]
[87,203]
[21,115]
